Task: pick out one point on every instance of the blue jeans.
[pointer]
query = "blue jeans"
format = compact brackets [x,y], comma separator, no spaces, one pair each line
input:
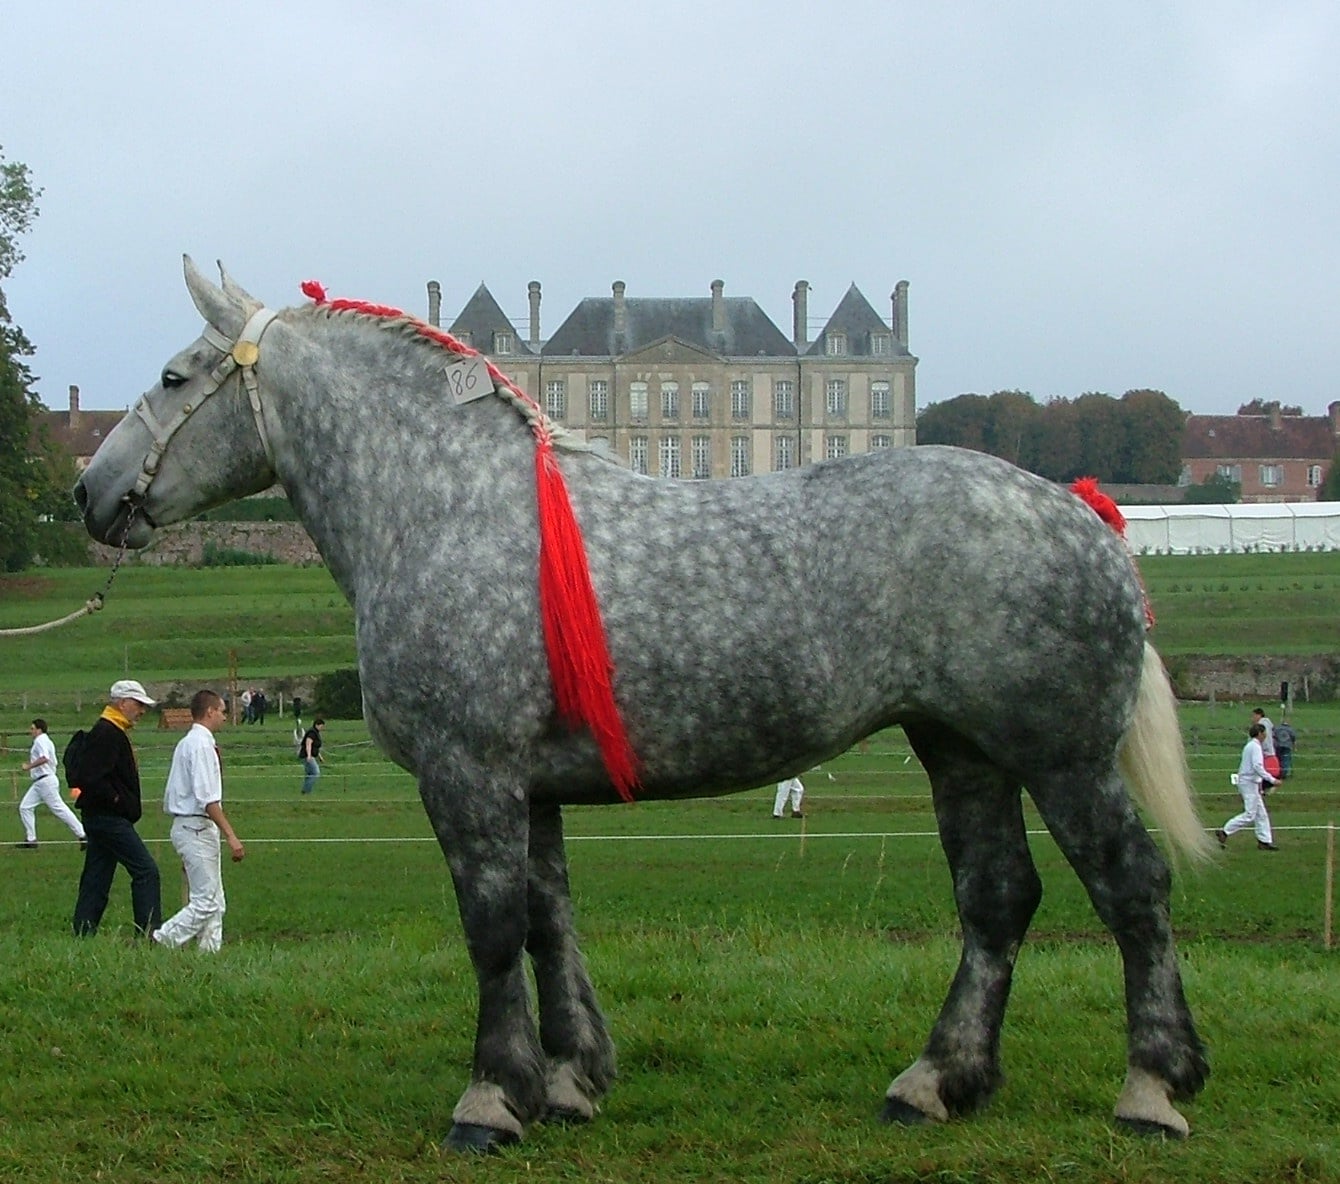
[309,763]
[1286,760]
[113,840]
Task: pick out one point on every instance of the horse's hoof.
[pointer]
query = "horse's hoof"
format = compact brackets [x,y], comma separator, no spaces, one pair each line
[565,1116]
[1150,1130]
[482,1140]
[899,1113]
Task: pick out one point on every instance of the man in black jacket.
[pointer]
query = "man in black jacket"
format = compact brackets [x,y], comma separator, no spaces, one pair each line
[108,780]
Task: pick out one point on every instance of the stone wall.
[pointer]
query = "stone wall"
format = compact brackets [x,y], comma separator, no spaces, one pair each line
[1255,679]
[184,543]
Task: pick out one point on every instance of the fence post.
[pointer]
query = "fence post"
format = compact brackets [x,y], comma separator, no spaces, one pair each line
[1330,886]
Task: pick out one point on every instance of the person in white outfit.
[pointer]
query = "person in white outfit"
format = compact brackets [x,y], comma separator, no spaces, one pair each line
[793,789]
[45,788]
[1252,776]
[194,798]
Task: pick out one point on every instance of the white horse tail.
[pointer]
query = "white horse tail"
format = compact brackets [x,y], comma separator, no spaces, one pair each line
[1153,762]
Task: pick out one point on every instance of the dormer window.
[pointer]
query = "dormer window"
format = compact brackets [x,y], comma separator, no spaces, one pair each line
[836,345]
[881,345]
[502,343]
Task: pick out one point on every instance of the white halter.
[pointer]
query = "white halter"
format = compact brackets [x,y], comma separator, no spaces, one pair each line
[241,354]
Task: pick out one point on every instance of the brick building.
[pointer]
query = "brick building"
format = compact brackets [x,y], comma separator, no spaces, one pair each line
[1275,457]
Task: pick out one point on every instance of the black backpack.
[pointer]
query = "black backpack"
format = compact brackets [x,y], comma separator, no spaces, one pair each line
[73,756]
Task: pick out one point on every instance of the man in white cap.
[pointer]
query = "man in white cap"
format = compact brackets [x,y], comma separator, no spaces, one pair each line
[108,779]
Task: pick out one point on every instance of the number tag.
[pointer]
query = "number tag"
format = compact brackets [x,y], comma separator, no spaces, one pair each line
[468,379]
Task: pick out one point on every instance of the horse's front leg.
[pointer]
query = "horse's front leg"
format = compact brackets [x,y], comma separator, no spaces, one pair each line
[572,1028]
[482,829]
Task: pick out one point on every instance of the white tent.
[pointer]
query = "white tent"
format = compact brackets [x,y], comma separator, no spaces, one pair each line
[1219,529]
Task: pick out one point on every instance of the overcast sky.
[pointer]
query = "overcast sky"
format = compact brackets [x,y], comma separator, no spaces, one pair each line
[1083,196]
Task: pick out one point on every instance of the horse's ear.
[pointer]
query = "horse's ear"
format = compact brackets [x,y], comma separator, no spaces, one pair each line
[232,288]
[226,313]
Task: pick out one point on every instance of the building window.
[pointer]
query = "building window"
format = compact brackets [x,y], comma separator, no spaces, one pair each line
[879,400]
[702,456]
[669,400]
[502,343]
[670,456]
[835,446]
[835,396]
[881,345]
[739,456]
[783,453]
[1230,472]
[835,345]
[739,399]
[784,399]
[1314,476]
[702,400]
[637,400]
[463,336]
[637,454]
[878,441]
[556,398]
[598,393]
[1272,475]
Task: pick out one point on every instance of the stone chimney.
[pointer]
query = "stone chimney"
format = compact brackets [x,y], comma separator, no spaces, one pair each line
[74,408]
[434,303]
[1276,418]
[620,312]
[533,291]
[800,316]
[900,313]
[718,307]
[1333,411]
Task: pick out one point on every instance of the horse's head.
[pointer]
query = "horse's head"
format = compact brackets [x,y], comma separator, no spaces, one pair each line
[196,439]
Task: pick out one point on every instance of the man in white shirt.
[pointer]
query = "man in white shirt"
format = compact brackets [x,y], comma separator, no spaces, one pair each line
[42,768]
[1251,776]
[194,798]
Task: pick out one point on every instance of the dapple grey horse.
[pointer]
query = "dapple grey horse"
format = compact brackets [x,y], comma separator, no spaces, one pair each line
[757,626]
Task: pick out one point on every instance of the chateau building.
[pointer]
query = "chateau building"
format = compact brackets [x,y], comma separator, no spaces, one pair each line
[700,387]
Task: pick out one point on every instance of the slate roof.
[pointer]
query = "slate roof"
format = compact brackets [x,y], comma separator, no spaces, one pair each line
[1229,437]
[91,429]
[858,320]
[588,330]
[481,318]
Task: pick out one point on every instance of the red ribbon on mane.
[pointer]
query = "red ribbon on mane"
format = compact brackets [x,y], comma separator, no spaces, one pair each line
[580,668]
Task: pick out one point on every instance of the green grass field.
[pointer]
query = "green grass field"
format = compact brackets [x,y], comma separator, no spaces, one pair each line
[763,981]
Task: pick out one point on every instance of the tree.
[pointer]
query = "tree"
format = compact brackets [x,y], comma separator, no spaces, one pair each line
[1154,426]
[26,483]
[1259,406]
[1330,488]
[1216,489]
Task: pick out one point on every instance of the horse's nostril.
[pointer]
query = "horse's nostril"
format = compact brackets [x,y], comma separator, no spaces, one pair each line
[80,496]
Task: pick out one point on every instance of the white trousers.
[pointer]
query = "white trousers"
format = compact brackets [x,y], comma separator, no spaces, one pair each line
[197,842]
[1253,812]
[46,790]
[791,788]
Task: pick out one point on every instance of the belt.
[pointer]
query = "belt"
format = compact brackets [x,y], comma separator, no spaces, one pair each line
[190,816]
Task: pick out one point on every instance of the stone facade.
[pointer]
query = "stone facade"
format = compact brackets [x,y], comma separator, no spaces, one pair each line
[709,387]
[184,543]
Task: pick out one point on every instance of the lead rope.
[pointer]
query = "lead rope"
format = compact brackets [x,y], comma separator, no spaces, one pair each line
[94,602]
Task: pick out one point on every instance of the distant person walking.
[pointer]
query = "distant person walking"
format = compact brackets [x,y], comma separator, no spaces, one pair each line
[1252,776]
[194,798]
[108,779]
[312,760]
[1272,762]
[45,788]
[259,706]
[246,705]
[793,789]
[1285,739]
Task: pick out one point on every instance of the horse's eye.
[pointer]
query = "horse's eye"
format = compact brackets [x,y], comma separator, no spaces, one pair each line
[172,379]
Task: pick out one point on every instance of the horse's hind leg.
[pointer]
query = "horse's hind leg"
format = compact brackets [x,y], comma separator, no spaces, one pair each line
[572,1028]
[997,890]
[1128,881]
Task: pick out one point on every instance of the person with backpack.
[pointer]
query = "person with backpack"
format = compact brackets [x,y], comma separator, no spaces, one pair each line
[45,788]
[309,752]
[103,768]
